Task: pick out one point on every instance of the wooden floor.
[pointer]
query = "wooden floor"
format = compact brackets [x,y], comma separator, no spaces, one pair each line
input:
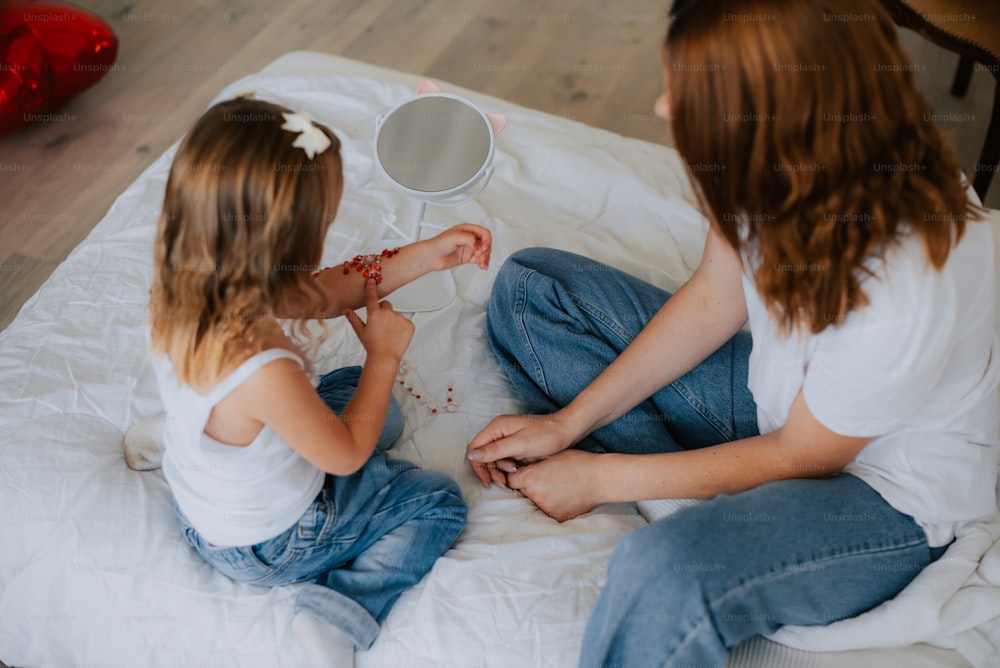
[593,61]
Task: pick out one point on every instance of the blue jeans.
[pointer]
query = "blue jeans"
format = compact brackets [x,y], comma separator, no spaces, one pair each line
[684,590]
[366,538]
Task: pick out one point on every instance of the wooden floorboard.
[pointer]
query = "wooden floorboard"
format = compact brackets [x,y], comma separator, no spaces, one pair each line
[587,60]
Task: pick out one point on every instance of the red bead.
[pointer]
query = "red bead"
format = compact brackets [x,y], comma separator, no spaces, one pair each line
[449,400]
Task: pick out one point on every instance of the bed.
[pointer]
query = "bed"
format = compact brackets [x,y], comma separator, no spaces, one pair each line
[93,568]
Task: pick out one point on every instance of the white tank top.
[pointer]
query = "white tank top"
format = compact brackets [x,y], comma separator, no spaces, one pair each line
[232,495]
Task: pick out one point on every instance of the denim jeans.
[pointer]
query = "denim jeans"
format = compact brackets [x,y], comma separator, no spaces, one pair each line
[684,590]
[365,539]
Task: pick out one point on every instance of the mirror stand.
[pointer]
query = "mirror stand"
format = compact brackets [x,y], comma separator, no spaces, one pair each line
[435,148]
[432,291]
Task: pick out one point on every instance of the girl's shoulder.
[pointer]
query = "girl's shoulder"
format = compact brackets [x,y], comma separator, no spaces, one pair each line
[243,363]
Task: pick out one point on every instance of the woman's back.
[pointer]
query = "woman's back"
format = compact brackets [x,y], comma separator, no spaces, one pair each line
[910,369]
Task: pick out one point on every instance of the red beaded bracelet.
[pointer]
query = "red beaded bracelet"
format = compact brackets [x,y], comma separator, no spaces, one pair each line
[370,265]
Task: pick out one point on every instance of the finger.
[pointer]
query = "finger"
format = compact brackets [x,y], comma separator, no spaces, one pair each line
[478,231]
[357,324]
[484,436]
[494,476]
[487,251]
[499,478]
[504,447]
[465,247]
[371,295]
[516,480]
[386,304]
[480,245]
[491,432]
[507,465]
[469,228]
[473,239]
[480,471]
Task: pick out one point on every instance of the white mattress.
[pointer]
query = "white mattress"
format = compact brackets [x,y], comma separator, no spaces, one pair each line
[93,567]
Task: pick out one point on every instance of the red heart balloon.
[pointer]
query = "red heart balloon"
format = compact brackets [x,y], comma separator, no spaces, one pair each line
[49,52]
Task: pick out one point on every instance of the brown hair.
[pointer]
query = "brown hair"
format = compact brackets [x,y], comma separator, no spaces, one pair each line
[800,120]
[243,224]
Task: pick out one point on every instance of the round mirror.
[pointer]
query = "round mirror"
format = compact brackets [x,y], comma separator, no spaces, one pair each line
[434,146]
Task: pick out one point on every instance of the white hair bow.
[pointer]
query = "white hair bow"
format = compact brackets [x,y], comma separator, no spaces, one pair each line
[311,139]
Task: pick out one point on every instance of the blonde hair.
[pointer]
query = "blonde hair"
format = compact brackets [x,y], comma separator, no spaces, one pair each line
[809,129]
[244,219]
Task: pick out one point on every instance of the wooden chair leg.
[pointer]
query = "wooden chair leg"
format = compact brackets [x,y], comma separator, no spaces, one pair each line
[990,157]
[960,86]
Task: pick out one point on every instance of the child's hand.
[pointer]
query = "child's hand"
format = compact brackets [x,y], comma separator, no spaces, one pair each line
[386,332]
[462,244]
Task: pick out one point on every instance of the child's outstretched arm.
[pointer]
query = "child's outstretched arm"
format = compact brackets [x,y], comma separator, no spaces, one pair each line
[281,396]
[462,244]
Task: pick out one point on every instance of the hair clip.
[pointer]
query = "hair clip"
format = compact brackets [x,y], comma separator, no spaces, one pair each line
[311,139]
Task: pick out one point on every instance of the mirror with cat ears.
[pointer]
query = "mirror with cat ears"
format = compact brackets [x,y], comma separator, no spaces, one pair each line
[435,148]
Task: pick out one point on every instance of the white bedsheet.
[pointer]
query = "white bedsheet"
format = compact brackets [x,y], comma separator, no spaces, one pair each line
[93,568]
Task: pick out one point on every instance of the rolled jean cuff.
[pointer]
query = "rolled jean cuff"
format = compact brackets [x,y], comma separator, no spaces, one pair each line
[338,610]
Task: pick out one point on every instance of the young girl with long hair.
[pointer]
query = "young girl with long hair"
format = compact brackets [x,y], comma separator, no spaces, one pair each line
[843,441]
[276,479]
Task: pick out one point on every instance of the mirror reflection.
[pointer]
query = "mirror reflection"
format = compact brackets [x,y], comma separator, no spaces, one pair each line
[433,144]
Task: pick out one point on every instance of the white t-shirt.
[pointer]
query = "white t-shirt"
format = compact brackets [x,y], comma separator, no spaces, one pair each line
[233,495]
[917,369]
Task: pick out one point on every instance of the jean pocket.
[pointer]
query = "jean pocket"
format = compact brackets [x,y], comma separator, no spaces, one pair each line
[324,525]
[239,563]
[310,526]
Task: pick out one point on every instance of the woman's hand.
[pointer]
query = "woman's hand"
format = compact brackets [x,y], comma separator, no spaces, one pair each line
[462,244]
[564,485]
[387,333]
[509,441]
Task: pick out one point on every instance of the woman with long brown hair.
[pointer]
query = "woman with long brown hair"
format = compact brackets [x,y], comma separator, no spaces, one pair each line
[842,443]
